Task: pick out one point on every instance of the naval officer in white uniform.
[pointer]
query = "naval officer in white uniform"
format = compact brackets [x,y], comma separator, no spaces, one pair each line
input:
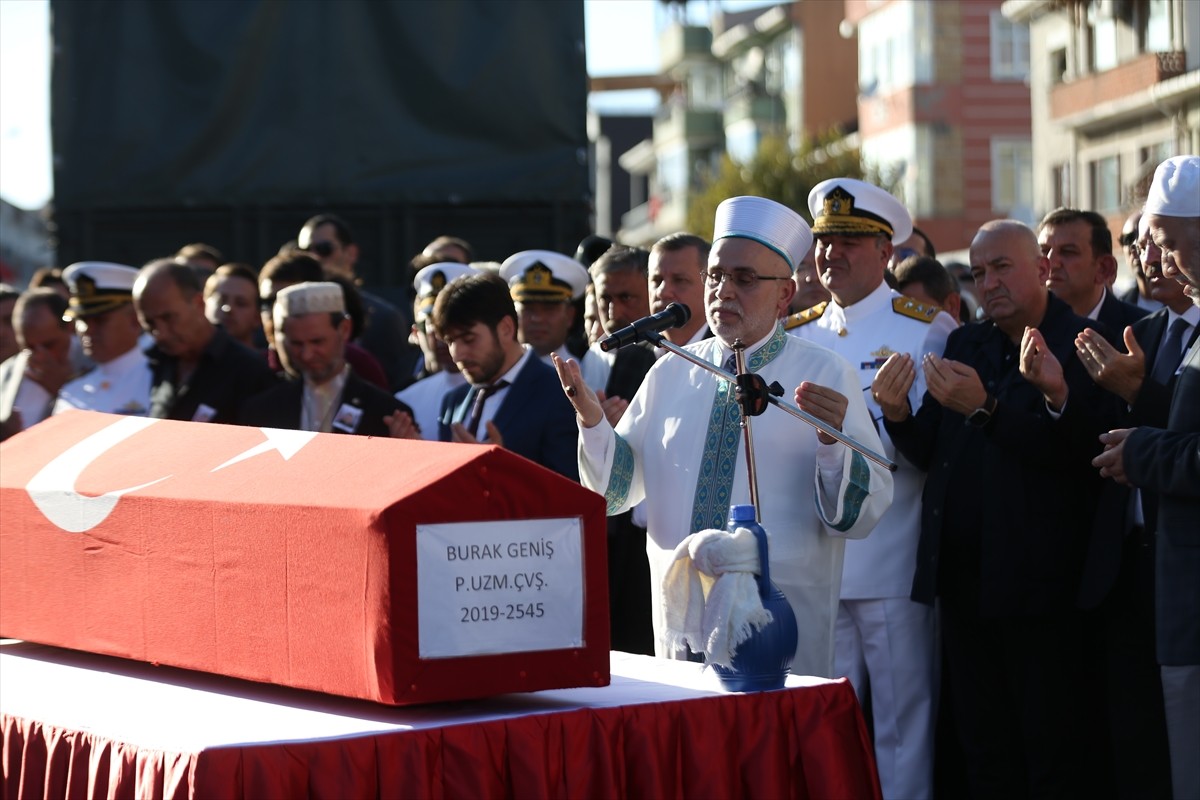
[546,287]
[442,375]
[101,306]
[884,638]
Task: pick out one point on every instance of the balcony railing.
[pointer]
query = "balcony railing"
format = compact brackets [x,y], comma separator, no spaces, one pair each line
[1124,80]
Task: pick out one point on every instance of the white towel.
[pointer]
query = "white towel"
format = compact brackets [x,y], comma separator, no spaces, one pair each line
[710,594]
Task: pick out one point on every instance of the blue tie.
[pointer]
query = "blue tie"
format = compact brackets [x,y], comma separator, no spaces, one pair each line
[1170,354]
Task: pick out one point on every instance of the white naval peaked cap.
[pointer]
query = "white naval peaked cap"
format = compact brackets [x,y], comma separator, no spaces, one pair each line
[97,287]
[310,297]
[1175,189]
[850,207]
[771,224]
[430,280]
[543,276]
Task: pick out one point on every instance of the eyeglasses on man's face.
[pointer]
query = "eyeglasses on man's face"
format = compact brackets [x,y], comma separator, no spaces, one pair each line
[742,277]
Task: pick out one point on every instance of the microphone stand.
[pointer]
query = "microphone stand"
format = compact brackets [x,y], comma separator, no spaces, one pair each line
[749,410]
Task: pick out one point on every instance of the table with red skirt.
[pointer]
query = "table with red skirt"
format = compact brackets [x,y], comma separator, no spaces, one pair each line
[82,725]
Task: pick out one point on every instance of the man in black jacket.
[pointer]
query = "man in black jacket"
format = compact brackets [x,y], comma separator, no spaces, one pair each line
[312,325]
[622,298]
[1078,245]
[1006,439]
[198,372]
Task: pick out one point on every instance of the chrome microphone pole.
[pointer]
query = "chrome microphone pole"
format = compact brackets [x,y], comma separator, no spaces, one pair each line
[739,361]
[661,341]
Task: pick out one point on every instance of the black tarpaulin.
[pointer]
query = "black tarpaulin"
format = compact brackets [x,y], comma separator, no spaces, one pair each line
[190,102]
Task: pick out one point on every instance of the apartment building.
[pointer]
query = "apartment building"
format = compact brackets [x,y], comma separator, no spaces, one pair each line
[944,108]
[782,70]
[1115,89]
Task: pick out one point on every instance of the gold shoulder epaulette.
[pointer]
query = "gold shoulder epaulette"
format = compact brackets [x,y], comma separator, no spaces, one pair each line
[804,317]
[915,309]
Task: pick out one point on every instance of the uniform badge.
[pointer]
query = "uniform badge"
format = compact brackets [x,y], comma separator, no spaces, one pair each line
[879,356]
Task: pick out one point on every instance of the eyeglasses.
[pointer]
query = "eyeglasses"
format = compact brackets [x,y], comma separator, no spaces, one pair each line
[1127,239]
[742,277]
[903,253]
[323,249]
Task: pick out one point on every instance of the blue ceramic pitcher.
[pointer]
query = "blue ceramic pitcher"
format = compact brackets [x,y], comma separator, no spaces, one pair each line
[763,661]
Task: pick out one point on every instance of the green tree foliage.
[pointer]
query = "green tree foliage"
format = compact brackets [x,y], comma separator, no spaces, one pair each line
[778,173]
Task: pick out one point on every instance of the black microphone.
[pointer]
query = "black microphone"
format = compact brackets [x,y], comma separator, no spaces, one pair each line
[672,316]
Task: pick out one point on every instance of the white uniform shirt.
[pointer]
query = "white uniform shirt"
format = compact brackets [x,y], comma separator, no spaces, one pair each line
[658,448]
[425,399]
[122,386]
[594,368]
[865,334]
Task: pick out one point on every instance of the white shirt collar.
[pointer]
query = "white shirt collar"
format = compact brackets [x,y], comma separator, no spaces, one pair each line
[1095,312]
[511,375]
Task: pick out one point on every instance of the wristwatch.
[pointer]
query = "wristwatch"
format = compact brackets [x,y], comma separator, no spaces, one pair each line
[982,415]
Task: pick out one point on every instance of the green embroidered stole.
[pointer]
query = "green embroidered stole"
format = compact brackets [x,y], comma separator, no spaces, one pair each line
[714,483]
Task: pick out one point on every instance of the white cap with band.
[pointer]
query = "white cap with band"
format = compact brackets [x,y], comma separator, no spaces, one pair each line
[771,224]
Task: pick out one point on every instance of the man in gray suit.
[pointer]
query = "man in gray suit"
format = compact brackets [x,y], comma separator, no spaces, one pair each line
[1167,461]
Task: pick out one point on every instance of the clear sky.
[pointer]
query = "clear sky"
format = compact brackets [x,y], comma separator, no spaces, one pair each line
[622,39]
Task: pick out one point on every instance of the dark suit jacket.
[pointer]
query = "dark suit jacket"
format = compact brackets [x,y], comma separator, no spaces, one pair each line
[228,374]
[1167,461]
[628,370]
[630,615]
[1005,499]
[385,336]
[535,418]
[1117,314]
[1150,408]
[279,406]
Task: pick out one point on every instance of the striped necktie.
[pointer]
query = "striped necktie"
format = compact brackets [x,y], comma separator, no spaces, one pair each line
[482,393]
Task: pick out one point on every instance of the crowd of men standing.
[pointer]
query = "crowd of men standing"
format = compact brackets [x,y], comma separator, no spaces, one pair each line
[1017,605]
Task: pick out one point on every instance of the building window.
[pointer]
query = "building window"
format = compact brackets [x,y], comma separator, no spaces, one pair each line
[1010,48]
[741,140]
[1058,65]
[1012,178]
[673,169]
[1060,186]
[1157,31]
[895,48]
[1106,184]
[1102,35]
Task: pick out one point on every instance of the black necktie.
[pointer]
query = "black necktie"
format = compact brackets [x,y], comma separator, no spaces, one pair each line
[1170,354]
[482,393]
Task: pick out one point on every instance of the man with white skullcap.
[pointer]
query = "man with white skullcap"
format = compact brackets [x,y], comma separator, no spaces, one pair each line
[546,287]
[441,373]
[101,306]
[312,326]
[678,445]
[1167,461]
[884,640]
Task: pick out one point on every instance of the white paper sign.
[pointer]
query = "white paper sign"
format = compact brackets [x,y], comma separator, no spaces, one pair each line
[509,586]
